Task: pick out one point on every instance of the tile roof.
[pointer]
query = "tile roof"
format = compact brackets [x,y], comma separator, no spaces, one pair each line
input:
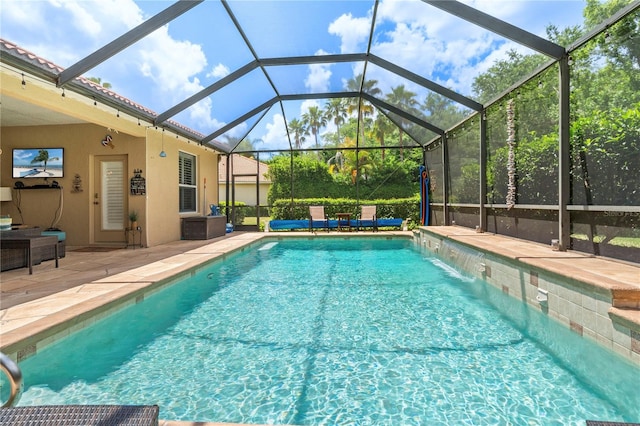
[12,49]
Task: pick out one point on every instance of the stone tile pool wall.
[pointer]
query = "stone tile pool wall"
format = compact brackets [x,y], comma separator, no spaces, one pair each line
[585,308]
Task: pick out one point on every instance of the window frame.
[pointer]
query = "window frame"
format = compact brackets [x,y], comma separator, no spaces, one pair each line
[184,187]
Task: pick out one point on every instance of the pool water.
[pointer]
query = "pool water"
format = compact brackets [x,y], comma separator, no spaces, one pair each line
[308,332]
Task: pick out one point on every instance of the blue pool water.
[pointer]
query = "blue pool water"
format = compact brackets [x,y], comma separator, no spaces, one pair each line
[364,332]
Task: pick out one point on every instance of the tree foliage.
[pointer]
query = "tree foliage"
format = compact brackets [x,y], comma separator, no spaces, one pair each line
[605,74]
[606,157]
[605,99]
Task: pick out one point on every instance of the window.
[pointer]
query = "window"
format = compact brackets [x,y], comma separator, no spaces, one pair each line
[187,183]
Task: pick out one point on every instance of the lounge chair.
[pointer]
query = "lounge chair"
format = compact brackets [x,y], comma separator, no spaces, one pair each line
[317,217]
[368,218]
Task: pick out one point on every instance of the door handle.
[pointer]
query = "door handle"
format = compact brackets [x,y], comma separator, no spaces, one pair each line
[95,199]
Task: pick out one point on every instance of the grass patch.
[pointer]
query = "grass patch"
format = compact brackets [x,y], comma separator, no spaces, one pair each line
[254,220]
[584,237]
[633,242]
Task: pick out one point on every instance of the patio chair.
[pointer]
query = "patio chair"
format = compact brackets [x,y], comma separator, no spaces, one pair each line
[368,218]
[317,217]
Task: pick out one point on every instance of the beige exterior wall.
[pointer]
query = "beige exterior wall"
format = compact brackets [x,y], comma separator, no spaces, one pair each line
[246,192]
[140,143]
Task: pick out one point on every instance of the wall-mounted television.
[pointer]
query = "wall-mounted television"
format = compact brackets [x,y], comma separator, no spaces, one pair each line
[38,163]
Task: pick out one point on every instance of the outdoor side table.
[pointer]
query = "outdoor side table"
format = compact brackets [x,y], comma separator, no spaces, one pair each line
[131,235]
[344,221]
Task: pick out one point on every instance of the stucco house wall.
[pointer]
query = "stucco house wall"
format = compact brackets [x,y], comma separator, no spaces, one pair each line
[140,142]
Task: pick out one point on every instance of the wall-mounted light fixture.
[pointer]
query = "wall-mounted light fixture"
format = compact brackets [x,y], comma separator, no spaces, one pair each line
[24,83]
[162,153]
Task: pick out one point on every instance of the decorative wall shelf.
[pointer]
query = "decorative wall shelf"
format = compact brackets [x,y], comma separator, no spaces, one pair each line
[37,187]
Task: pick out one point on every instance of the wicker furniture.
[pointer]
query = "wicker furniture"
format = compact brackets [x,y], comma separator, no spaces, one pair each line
[203,227]
[28,244]
[12,258]
[81,415]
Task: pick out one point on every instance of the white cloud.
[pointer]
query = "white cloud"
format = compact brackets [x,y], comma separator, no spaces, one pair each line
[352,31]
[319,76]
[238,131]
[64,31]
[101,21]
[412,34]
[201,113]
[276,133]
[306,104]
[85,19]
[436,44]
[172,64]
[23,14]
[219,71]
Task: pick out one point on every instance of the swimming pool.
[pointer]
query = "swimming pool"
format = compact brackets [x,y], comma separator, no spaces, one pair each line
[336,332]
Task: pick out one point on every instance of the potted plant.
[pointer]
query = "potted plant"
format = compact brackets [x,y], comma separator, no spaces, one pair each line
[133,217]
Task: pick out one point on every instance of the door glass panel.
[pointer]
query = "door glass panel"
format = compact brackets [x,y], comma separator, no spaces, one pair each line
[113,196]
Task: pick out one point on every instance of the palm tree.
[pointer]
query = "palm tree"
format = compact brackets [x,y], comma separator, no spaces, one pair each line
[232,141]
[355,162]
[441,111]
[43,157]
[336,110]
[314,119]
[298,129]
[381,127]
[336,163]
[247,145]
[405,100]
[359,105]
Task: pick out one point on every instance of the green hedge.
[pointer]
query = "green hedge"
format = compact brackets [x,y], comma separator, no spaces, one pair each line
[396,208]
[241,210]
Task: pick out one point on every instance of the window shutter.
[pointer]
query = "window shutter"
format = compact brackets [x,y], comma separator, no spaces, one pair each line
[187,183]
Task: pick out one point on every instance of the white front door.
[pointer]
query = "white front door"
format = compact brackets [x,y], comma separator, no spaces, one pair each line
[110,199]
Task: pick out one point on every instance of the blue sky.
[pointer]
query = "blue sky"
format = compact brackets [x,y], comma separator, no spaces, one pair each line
[202,46]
